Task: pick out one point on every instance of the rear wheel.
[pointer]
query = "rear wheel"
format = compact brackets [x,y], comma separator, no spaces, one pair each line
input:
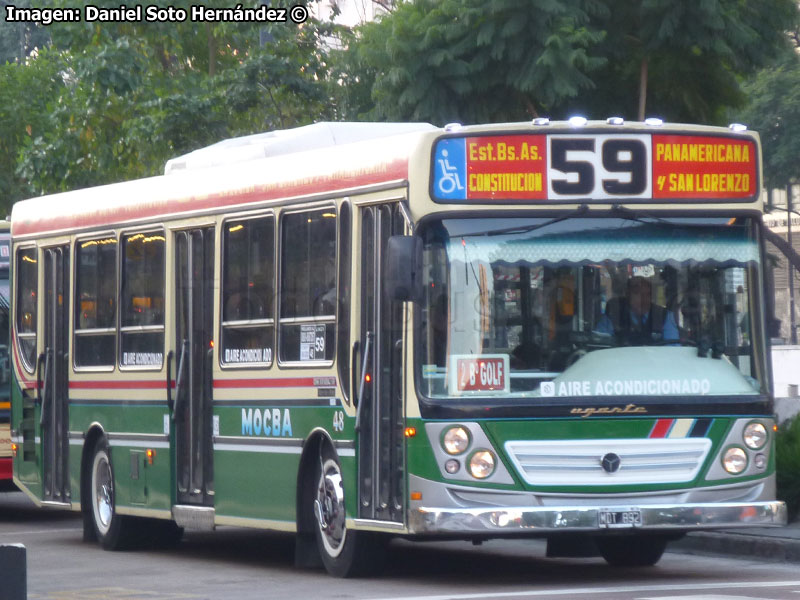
[632,550]
[101,521]
[344,552]
[113,531]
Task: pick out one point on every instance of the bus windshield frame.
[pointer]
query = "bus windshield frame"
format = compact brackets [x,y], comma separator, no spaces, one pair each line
[535,311]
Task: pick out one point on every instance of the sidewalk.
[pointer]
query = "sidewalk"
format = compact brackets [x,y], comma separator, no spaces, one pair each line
[770,543]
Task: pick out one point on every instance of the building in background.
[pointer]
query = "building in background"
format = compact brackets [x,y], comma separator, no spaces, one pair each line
[784,220]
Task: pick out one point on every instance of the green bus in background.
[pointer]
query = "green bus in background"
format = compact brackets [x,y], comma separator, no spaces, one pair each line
[359,331]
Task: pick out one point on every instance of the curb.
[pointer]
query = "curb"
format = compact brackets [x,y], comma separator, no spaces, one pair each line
[739,545]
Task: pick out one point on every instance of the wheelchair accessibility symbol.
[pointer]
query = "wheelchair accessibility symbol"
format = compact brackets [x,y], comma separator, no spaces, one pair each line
[449,181]
[450,170]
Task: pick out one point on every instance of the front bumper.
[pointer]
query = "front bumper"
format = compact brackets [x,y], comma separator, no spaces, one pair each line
[502,521]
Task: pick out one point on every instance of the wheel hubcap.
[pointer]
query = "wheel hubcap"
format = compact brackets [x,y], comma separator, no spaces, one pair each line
[329,508]
[103,493]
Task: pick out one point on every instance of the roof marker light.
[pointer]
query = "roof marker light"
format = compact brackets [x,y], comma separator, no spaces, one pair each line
[654,121]
[541,121]
[737,127]
[578,121]
[615,121]
[452,127]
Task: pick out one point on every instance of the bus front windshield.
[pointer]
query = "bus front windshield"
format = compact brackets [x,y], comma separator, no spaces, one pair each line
[595,307]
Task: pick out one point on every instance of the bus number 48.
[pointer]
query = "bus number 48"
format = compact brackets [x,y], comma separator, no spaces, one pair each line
[338,421]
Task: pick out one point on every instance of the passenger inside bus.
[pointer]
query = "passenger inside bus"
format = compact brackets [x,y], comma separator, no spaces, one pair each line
[635,318]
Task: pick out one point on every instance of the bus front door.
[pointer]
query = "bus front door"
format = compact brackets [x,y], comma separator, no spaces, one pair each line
[192,363]
[379,389]
[52,373]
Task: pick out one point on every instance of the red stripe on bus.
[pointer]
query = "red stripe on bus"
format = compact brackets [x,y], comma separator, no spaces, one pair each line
[390,171]
[661,428]
[118,385]
[265,383]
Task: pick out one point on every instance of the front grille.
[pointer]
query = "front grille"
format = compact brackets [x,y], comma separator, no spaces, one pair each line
[579,462]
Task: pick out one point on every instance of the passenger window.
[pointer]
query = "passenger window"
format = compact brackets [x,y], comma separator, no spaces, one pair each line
[248,292]
[27,297]
[308,286]
[96,302]
[142,300]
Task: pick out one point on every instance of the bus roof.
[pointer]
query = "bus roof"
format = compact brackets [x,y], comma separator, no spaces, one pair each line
[321,159]
[286,141]
[283,164]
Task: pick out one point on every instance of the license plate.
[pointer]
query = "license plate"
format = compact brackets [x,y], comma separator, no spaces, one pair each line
[619,518]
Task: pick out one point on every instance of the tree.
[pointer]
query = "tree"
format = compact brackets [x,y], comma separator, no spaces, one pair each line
[26,93]
[773,110]
[683,60]
[471,60]
[511,59]
[19,39]
[125,97]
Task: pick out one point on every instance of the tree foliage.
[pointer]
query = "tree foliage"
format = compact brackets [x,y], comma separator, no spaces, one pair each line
[773,109]
[468,61]
[114,101]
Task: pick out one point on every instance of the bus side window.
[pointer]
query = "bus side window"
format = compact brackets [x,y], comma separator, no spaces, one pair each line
[248,270]
[308,286]
[26,309]
[142,300]
[96,304]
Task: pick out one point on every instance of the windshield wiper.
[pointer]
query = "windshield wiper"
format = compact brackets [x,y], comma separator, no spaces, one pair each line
[578,212]
[629,214]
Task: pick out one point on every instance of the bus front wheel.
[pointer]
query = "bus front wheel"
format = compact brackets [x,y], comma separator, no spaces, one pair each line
[344,552]
[632,550]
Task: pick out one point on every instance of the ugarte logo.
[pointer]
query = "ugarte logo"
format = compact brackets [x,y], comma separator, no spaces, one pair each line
[608,410]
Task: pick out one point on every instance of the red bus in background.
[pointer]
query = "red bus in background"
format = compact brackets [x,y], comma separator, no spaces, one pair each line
[5,389]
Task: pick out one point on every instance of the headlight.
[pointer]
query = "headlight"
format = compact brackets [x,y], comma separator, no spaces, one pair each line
[755,435]
[455,440]
[734,461]
[481,464]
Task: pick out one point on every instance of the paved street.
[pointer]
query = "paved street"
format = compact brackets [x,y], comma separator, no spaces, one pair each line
[248,564]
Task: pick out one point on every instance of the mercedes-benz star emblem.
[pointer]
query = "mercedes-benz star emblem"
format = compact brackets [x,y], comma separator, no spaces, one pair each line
[610,462]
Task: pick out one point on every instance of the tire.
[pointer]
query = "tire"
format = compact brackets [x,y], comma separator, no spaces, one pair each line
[632,550]
[113,531]
[344,552]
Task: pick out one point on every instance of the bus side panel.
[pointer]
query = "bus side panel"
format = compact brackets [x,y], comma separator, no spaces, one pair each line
[138,483]
[257,457]
[25,423]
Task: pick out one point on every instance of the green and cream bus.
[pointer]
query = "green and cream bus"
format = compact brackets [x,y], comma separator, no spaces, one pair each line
[359,331]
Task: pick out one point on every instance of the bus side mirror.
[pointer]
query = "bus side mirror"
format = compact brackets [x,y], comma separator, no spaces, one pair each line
[403,268]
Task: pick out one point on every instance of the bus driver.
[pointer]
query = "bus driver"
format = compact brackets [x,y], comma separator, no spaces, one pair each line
[635,318]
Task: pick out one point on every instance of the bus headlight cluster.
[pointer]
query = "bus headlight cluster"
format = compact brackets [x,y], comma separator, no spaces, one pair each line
[755,435]
[482,464]
[734,460]
[745,450]
[455,440]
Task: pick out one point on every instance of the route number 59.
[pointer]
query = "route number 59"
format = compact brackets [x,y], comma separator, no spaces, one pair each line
[599,167]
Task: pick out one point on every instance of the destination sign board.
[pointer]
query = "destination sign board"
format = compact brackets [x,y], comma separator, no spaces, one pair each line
[594,167]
